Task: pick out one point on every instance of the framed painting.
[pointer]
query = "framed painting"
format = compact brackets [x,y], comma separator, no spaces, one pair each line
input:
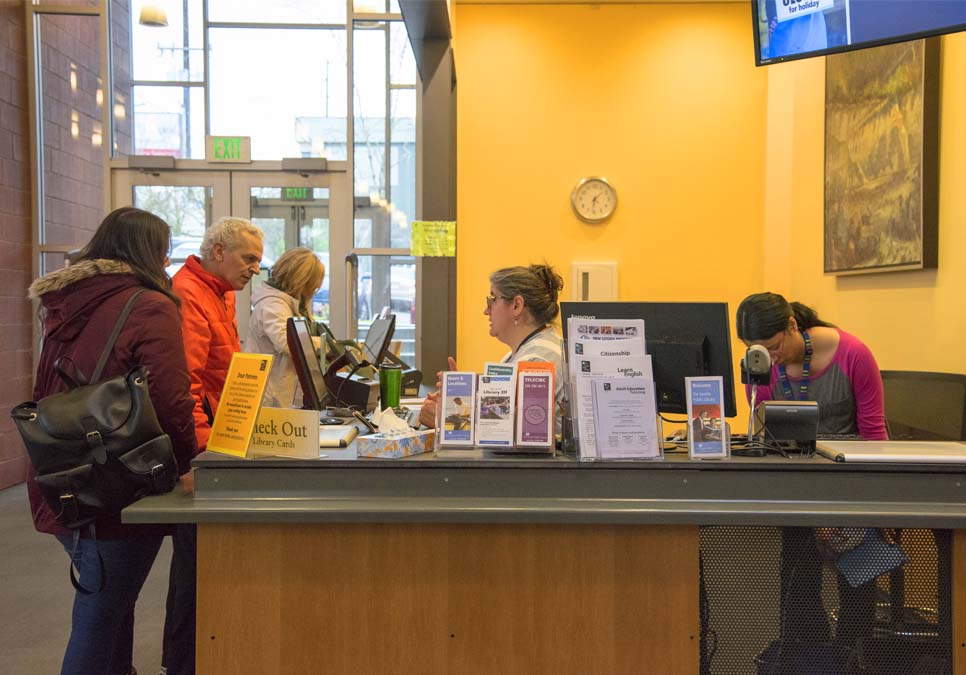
[882,158]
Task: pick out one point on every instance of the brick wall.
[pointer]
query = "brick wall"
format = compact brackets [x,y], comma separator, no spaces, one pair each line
[15,310]
[123,99]
[73,134]
[72,96]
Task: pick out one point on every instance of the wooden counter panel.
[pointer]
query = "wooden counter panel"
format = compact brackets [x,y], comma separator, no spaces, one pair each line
[405,598]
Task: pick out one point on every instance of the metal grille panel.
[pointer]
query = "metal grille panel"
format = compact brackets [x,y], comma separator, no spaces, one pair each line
[772,604]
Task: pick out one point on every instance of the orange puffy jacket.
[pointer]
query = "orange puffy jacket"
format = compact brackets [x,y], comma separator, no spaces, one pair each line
[210,338]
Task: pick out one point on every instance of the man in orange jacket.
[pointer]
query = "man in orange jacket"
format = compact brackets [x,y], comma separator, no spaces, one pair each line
[231,254]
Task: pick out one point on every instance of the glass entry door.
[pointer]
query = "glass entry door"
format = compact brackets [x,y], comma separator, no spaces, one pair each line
[189,201]
[293,210]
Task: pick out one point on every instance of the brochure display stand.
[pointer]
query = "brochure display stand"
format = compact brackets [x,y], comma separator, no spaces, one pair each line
[510,408]
[613,401]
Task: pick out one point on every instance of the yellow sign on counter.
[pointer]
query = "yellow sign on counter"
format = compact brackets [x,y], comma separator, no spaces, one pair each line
[240,400]
[433,238]
[284,432]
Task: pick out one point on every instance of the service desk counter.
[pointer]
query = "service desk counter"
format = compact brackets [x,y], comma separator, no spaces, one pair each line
[471,562]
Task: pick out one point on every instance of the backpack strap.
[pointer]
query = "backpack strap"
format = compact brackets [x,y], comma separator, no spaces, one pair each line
[109,347]
[74,554]
[74,377]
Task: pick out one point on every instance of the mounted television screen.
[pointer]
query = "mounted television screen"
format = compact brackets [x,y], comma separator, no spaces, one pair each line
[797,29]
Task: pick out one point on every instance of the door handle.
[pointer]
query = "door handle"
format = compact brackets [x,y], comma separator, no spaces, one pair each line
[352,294]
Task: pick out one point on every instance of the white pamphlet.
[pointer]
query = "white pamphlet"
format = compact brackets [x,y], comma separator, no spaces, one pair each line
[584,337]
[494,411]
[605,328]
[625,419]
[508,369]
[594,368]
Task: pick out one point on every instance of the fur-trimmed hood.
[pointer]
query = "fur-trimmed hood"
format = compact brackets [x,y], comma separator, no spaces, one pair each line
[70,296]
[85,269]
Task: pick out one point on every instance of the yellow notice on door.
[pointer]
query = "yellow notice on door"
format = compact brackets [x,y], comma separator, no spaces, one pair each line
[433,238]
[239,403]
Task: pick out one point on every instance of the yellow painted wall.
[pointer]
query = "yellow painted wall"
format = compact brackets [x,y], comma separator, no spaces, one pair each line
[911,320]
[662,99]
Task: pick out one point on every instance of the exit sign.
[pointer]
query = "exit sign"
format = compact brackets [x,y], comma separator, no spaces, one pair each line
[231,149]
[297,193]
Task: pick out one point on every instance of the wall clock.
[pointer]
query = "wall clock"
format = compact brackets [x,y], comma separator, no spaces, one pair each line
[593,199]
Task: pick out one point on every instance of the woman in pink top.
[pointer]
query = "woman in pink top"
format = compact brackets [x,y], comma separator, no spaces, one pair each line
[815,361]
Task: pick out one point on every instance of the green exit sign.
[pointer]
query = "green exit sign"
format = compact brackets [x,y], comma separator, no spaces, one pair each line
[297,193]
[231,149]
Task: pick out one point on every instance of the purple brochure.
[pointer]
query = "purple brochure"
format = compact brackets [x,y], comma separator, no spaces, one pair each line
[535,409]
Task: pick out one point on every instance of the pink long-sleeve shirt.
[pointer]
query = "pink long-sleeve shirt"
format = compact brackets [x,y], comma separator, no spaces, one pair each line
[848,391]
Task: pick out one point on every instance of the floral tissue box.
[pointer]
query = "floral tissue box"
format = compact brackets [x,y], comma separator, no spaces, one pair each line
[394,444]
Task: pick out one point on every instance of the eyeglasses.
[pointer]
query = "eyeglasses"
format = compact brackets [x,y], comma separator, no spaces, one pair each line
[490,299]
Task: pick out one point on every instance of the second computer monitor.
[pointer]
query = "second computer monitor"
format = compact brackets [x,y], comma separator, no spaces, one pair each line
[308,368]
[684,339]
[378,339]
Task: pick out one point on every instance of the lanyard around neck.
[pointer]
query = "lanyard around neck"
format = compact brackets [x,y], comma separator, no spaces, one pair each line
[803,383]
[526,340]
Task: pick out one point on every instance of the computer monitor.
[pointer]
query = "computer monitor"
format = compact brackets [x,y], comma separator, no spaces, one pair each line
[306,362]
[684,339]
[378,338]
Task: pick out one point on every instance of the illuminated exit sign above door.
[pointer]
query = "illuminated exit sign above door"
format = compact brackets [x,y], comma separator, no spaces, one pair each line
[297,193]
[230,149]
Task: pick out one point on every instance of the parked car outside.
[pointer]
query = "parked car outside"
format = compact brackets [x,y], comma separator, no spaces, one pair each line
[402,293]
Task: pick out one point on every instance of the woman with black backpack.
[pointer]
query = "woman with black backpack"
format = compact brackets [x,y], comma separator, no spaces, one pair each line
[81,304]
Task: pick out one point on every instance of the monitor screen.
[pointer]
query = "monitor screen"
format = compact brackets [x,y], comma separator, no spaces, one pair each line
[306,362]
[684,339]
[797,29]
[378,339]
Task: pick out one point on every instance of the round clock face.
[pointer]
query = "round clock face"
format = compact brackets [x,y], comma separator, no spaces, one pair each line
[594,200]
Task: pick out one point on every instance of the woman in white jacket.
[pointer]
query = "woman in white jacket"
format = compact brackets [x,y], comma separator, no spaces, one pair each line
[294,279]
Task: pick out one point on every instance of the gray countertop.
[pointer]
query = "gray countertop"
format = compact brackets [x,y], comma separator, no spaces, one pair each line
[473,486]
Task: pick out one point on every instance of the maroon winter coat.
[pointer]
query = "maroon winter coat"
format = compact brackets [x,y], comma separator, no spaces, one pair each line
[81,304]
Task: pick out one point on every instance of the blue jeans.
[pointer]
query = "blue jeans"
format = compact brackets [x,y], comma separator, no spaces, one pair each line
[102,623]
[178,657]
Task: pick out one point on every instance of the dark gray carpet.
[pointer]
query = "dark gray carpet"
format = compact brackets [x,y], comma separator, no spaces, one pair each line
[36,597]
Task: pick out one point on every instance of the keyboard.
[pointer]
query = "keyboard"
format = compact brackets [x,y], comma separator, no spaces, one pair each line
[838,437]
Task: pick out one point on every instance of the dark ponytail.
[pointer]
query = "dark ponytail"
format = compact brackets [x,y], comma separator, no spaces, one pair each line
[806,317]
[762,315]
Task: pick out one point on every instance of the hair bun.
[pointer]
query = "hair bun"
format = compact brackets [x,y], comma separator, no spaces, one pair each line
[553,281]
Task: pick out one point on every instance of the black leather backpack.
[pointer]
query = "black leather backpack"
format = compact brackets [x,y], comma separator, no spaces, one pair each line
[98,447]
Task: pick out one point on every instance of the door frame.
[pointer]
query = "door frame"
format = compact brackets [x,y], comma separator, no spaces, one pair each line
[340,221]
[230,196]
